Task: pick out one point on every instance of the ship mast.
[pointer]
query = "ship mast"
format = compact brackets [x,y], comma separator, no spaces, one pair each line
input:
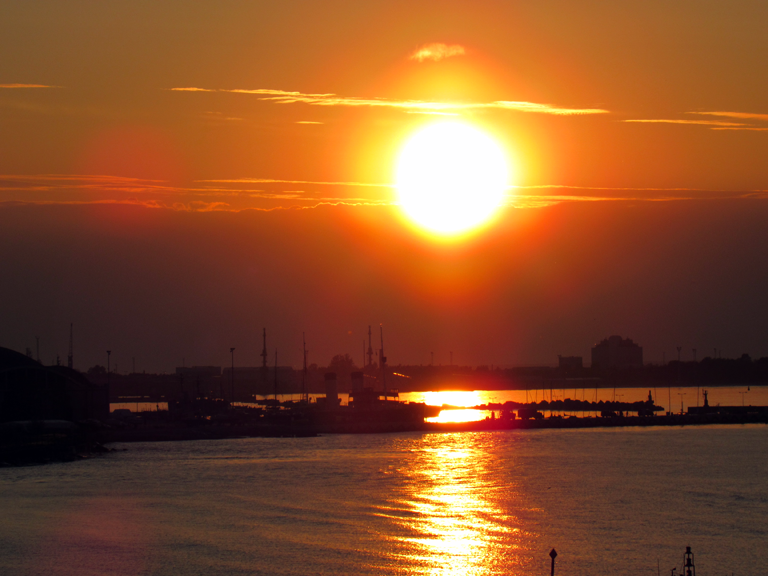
[304,395]
[383,360]
[370,349]
[264,352]
[264,372]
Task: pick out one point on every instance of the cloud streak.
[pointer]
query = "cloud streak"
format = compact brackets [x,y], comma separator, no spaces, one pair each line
[692,122]
[274,181]
[26,86]
[739,115]
[280,194]
[750,128]
[437,51]
[419,106]
[715,124]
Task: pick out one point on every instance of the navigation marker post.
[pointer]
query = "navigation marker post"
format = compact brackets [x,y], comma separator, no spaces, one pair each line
[553,555]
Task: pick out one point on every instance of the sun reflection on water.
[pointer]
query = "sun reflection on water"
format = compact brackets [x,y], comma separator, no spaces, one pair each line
[447,517]
[466,415]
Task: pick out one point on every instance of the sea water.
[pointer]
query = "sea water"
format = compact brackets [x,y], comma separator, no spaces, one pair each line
[610,501]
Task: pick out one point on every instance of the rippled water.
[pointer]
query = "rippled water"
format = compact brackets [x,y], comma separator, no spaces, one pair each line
[609,500]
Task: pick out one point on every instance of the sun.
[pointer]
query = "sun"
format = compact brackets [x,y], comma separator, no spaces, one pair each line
[451,178]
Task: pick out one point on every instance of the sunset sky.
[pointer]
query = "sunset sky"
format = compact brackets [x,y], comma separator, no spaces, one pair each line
[174,176]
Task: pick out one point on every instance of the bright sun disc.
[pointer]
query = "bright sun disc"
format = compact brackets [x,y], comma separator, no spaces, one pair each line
[451,178]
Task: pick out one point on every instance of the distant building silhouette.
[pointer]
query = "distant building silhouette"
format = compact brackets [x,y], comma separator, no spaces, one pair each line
[617,352]
[253,380]
[199,371]
[570,362]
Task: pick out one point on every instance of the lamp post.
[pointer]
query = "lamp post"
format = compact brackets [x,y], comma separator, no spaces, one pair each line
[232,377]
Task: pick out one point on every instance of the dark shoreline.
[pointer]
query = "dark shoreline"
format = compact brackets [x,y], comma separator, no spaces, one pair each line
[36,447]
[166,434]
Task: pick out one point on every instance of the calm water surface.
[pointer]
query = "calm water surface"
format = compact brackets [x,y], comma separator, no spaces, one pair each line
[610,501]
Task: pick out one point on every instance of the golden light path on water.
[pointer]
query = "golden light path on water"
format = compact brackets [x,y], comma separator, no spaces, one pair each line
[457,404]
[459,399]
[448,519]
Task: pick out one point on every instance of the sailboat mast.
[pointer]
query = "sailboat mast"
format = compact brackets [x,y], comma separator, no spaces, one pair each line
[304,394]
[383,360]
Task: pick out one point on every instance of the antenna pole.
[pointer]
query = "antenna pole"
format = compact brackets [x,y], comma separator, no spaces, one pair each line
[264,351]
[370,349]
[264,372]
[304,394]
[383,360]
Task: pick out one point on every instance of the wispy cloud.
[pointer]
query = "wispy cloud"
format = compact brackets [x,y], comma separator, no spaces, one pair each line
[273,181]
[286,97]
[693,122]
[191,90]
[26,86]
[526,196]
[307,122]
[437,51]
[218,116]
[432,113]
[740,115]
[715,124]
[284,194]
[752,128]
[206,195]
[542,108]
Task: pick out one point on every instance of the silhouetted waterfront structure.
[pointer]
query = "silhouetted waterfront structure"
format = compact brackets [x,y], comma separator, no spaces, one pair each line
[616,352]
[253,381]
[46,412]
[689,569]
[31,391]
[570,362]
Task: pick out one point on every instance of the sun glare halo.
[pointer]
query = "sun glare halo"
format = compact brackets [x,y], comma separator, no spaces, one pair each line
[451,178]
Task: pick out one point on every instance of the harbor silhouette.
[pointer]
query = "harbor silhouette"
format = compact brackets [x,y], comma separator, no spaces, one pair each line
[202,402]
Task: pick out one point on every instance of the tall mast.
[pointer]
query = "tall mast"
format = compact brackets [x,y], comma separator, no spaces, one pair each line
[264,352]
[370,348]
[383,360]
[304,395]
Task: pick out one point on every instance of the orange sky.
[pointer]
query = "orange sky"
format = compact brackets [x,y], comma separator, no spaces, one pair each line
[180,107]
